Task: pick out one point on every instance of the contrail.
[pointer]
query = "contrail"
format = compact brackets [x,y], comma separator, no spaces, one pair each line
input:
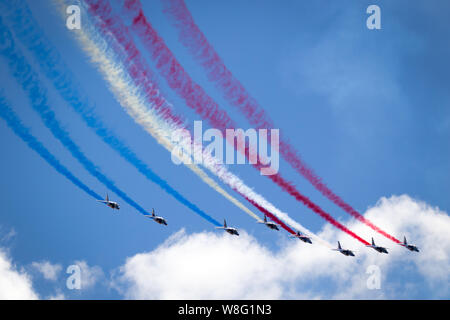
[149,121]
[12,120]
[30,34]
[196,98]
[29,81]
[234,92]
[131,100]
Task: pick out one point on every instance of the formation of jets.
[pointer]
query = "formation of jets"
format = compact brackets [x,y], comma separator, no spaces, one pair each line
[271,225]
[115,206]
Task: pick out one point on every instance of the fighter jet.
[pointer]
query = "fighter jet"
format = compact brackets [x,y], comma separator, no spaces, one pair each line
[113,205]
[230,230]
[302,237]
[157,219]
[269,224]
[410,247]
[345,252]
[378,248]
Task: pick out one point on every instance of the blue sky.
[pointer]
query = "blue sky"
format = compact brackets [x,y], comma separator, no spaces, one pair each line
[369,110]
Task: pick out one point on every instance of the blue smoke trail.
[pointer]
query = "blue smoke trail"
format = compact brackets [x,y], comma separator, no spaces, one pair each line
[23,133]
[32,37]
[28,79]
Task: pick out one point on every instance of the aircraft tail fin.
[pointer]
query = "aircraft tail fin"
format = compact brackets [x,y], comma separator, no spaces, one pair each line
[107,197]
[404,240]
[153,212]
[224,223]
[373,242]
[339,245]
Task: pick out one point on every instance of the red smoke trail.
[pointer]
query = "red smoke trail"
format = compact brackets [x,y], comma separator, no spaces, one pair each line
[108,24]
[132,60]
[307,202]
[192,38]
[176,76]
[197,99]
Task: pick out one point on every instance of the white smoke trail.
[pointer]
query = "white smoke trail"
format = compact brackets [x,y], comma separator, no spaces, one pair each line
[131,99]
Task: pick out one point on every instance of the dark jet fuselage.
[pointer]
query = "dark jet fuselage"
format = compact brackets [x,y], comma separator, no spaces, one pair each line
[410,247]
[306,239]
[272,226]
[113,205]
[380,249]
[232,231]
[160,220]
[347,253]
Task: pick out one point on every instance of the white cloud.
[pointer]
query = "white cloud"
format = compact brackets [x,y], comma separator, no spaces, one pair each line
[215,265]
[49,271]
[5,237]
[14,284]
[57,296]
[200,265]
